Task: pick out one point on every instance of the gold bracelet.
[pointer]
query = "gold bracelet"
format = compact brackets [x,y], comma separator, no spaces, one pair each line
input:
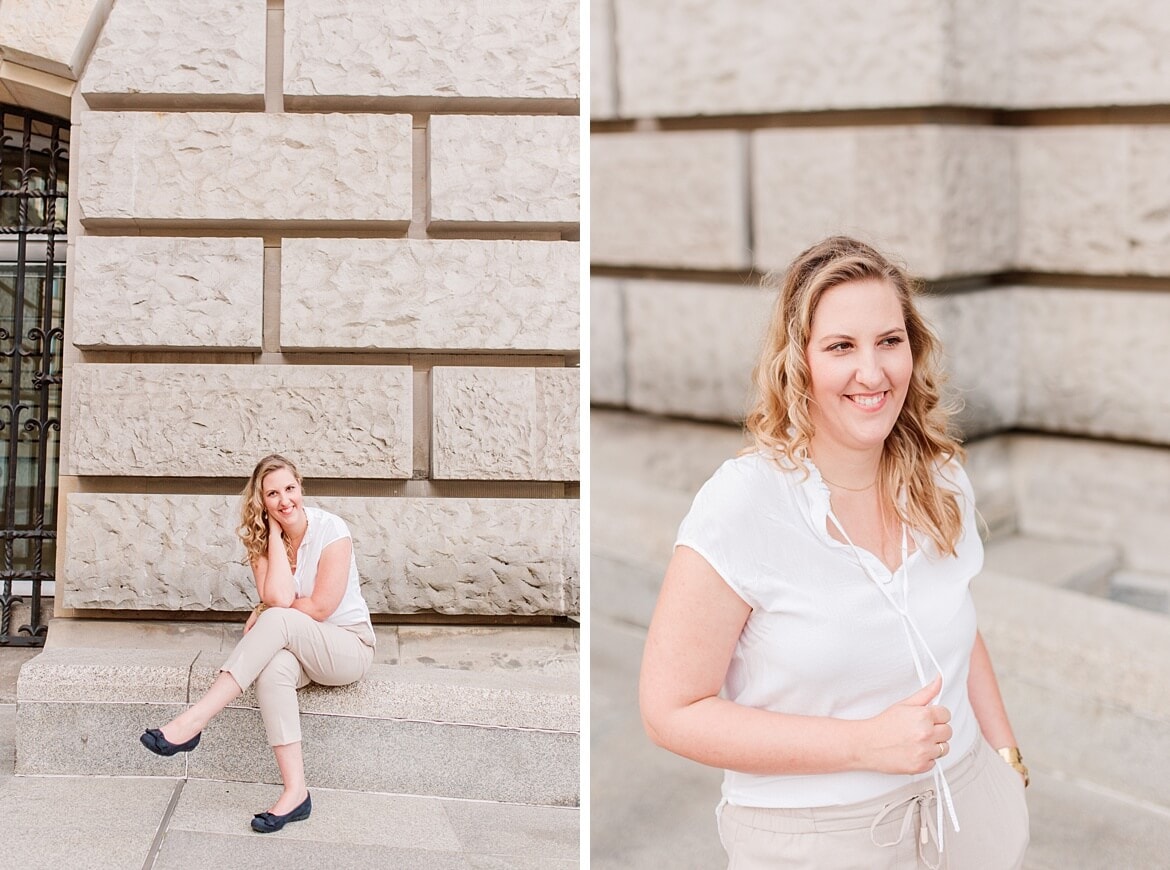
[259,608]
[1011,754]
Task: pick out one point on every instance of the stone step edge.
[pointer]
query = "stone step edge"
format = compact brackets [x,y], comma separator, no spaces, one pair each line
[401,692]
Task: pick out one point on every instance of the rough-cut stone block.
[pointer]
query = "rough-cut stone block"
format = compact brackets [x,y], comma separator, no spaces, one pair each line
[505,423]
[504,169]
[244,166]
[167,292]
[1086,53]
[1087,358]
[211,48]
[1147,199]
[980,333]
[607,342]
[602,98]
[453,556]
[670,199]
[218,420]
[1095,492]
[1072,200]
[692,347]
[411,48]
[453,294]
[690,57]
[941,198]
[48,35]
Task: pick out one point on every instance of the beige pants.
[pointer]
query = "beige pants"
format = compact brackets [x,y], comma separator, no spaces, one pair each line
[886,833]
[285,651]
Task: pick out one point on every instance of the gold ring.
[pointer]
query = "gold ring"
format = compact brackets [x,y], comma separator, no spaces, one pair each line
[942,750]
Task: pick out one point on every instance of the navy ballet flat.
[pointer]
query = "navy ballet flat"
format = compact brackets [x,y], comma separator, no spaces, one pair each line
[153,740]
[269,823]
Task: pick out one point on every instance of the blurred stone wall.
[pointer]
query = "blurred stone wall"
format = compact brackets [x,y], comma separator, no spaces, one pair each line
[1014,153]
[345,232]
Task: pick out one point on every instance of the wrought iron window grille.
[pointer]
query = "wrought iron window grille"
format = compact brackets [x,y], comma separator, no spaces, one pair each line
[33,200]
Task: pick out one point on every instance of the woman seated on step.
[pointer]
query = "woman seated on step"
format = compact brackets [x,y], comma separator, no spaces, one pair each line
[312,625]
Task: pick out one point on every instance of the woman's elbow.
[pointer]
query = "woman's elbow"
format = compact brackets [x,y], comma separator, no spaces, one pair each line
[277,599]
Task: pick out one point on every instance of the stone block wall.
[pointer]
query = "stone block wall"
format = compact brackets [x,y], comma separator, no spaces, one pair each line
[345,234]
[1015,154]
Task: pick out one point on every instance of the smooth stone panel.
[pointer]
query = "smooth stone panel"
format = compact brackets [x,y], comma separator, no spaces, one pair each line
[137,292]
[1086,362]
[218,420]
[293,847]
[689,57]
[692,347]
[456,294]
[941,199]
[675,200]
[410,48]
[602,69]
[223,166]
[213,48]
[981,337]
[1072,211]
[504,169]
[505,423]
[1090,53]
[607,342]
[1094,491]
[92,739]
[403,757]
[455,556]
[1095,200]
[516,832]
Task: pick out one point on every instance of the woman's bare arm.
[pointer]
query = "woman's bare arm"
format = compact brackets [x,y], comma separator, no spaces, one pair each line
[692,636]
[274,579]
[986,700]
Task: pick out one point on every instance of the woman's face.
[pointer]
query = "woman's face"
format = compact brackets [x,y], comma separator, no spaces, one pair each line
[860,362]
[281,495]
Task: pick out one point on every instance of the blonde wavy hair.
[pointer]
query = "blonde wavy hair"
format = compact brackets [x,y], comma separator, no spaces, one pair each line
[779,423]
[253,528]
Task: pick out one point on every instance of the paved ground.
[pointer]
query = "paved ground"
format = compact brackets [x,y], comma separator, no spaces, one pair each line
[652,810]
[127,823]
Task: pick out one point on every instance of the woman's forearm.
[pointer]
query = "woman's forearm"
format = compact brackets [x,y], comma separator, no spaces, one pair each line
[279,589]
[721,733]
[986,700]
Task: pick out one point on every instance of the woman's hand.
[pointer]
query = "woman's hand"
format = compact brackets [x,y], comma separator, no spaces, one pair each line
[905,737]
[252,617]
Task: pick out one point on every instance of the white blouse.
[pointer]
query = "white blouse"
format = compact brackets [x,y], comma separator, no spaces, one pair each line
[822,638]
[324,529]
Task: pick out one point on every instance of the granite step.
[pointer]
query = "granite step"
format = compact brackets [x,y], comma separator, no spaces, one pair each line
[1084,567]
[464,723]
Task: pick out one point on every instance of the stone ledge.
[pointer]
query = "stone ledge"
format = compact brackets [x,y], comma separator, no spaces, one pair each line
[1063,697]
[484,735]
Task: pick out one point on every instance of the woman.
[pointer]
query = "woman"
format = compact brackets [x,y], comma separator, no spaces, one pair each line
[814,634]
[312,625]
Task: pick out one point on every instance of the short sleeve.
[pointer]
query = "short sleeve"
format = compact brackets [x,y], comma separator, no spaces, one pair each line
[719,527]
[333,528]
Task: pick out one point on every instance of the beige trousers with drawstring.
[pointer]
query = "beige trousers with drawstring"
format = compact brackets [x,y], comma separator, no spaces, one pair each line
[895,831]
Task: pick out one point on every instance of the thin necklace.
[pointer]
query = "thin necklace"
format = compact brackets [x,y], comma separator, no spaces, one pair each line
[849,488]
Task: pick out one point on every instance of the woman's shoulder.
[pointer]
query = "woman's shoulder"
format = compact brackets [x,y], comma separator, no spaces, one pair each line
[742,480]
[325,521]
